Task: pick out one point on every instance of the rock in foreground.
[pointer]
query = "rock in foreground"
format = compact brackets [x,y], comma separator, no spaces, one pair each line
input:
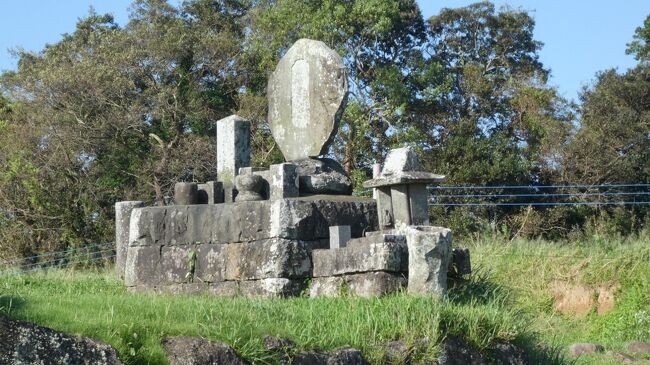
[26,343]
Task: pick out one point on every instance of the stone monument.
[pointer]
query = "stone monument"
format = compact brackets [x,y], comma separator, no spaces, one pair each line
[266,232]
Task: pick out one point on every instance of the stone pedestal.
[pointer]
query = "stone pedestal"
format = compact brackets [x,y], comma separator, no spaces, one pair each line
[122,223]
[186,193]
[255,248]
[233,152]
[429,256]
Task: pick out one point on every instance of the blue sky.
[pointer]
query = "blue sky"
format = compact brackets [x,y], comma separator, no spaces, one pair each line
[580,37]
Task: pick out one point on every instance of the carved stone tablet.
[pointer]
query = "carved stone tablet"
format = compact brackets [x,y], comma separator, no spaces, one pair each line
[307,95]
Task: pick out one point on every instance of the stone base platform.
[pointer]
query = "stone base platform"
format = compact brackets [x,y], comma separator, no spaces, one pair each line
[260,248]
[368,267]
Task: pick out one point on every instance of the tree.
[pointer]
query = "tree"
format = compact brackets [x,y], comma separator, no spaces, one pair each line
[379,41]
[111,113]
[640,46]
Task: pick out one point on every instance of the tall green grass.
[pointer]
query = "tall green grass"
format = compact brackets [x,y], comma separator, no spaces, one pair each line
[507,298]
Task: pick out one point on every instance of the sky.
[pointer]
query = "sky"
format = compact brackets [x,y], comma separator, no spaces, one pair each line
[581,37]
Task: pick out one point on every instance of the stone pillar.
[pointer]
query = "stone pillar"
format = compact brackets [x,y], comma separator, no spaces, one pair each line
[186,193]
[384,207]
[429,250]
[284,181]
[233,152]
[376,173]
[419,204]
[122,228]
[401,208]
[210,193]
[339,236]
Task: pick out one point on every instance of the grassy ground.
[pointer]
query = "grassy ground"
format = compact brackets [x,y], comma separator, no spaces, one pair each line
[508,298]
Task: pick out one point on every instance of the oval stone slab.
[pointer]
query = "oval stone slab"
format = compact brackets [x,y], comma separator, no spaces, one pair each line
[307,94]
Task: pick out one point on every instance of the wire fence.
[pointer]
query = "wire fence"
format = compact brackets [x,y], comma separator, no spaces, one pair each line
[77,256]
[541,195]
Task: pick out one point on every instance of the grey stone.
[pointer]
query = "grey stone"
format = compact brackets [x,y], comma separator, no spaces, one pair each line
[123,212]
[429,254]
[249,188]
[402,166]
[401,207]
[26,343]
[347,356]
[419,204]
[460,263]
[273,258]
[284,181]
[638,347]
[186,193]
[307,94]
[322,176]
[303,218]
[210,193]
[456,351]
[579,349]
[183,350]
[367,285]
[273,343]
[506,353]
[339,236]
[396,353]
[381,256]
[384,207]
[233,152]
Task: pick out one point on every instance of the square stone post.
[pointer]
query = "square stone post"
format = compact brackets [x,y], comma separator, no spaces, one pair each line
[210,193]
[339,236]
[419,204]
[384,207]
[233,152]
[401,207]
[122,223]
[283,181]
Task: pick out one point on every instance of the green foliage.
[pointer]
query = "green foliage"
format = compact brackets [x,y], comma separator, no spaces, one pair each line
[640,46]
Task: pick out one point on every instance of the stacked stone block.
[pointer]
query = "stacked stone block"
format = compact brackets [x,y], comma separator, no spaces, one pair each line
[260,248]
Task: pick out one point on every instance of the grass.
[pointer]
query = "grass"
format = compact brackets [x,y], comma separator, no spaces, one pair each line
[507,299]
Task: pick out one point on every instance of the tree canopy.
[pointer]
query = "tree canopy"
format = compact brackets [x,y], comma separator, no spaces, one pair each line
[116,112]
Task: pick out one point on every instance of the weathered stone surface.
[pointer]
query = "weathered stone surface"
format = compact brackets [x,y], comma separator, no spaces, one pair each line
[184,350]
[384,207]
[273,258]
[26,343]
[380,256]
[322,176]
[638,347]
[456,351]
[307,93]
[402,166]
[429,252]
[210,193]
[367,285]
[401,206]
[185,193]
[283,181]
[233,151]
[339,236]
[347,356]
[396,353]
[578,349]
[249,188]
[123,212]
[305,218]
[273,343]
[506,353]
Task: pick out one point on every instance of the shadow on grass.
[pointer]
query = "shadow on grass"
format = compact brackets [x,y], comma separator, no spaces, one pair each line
[476,288]
[9,304]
